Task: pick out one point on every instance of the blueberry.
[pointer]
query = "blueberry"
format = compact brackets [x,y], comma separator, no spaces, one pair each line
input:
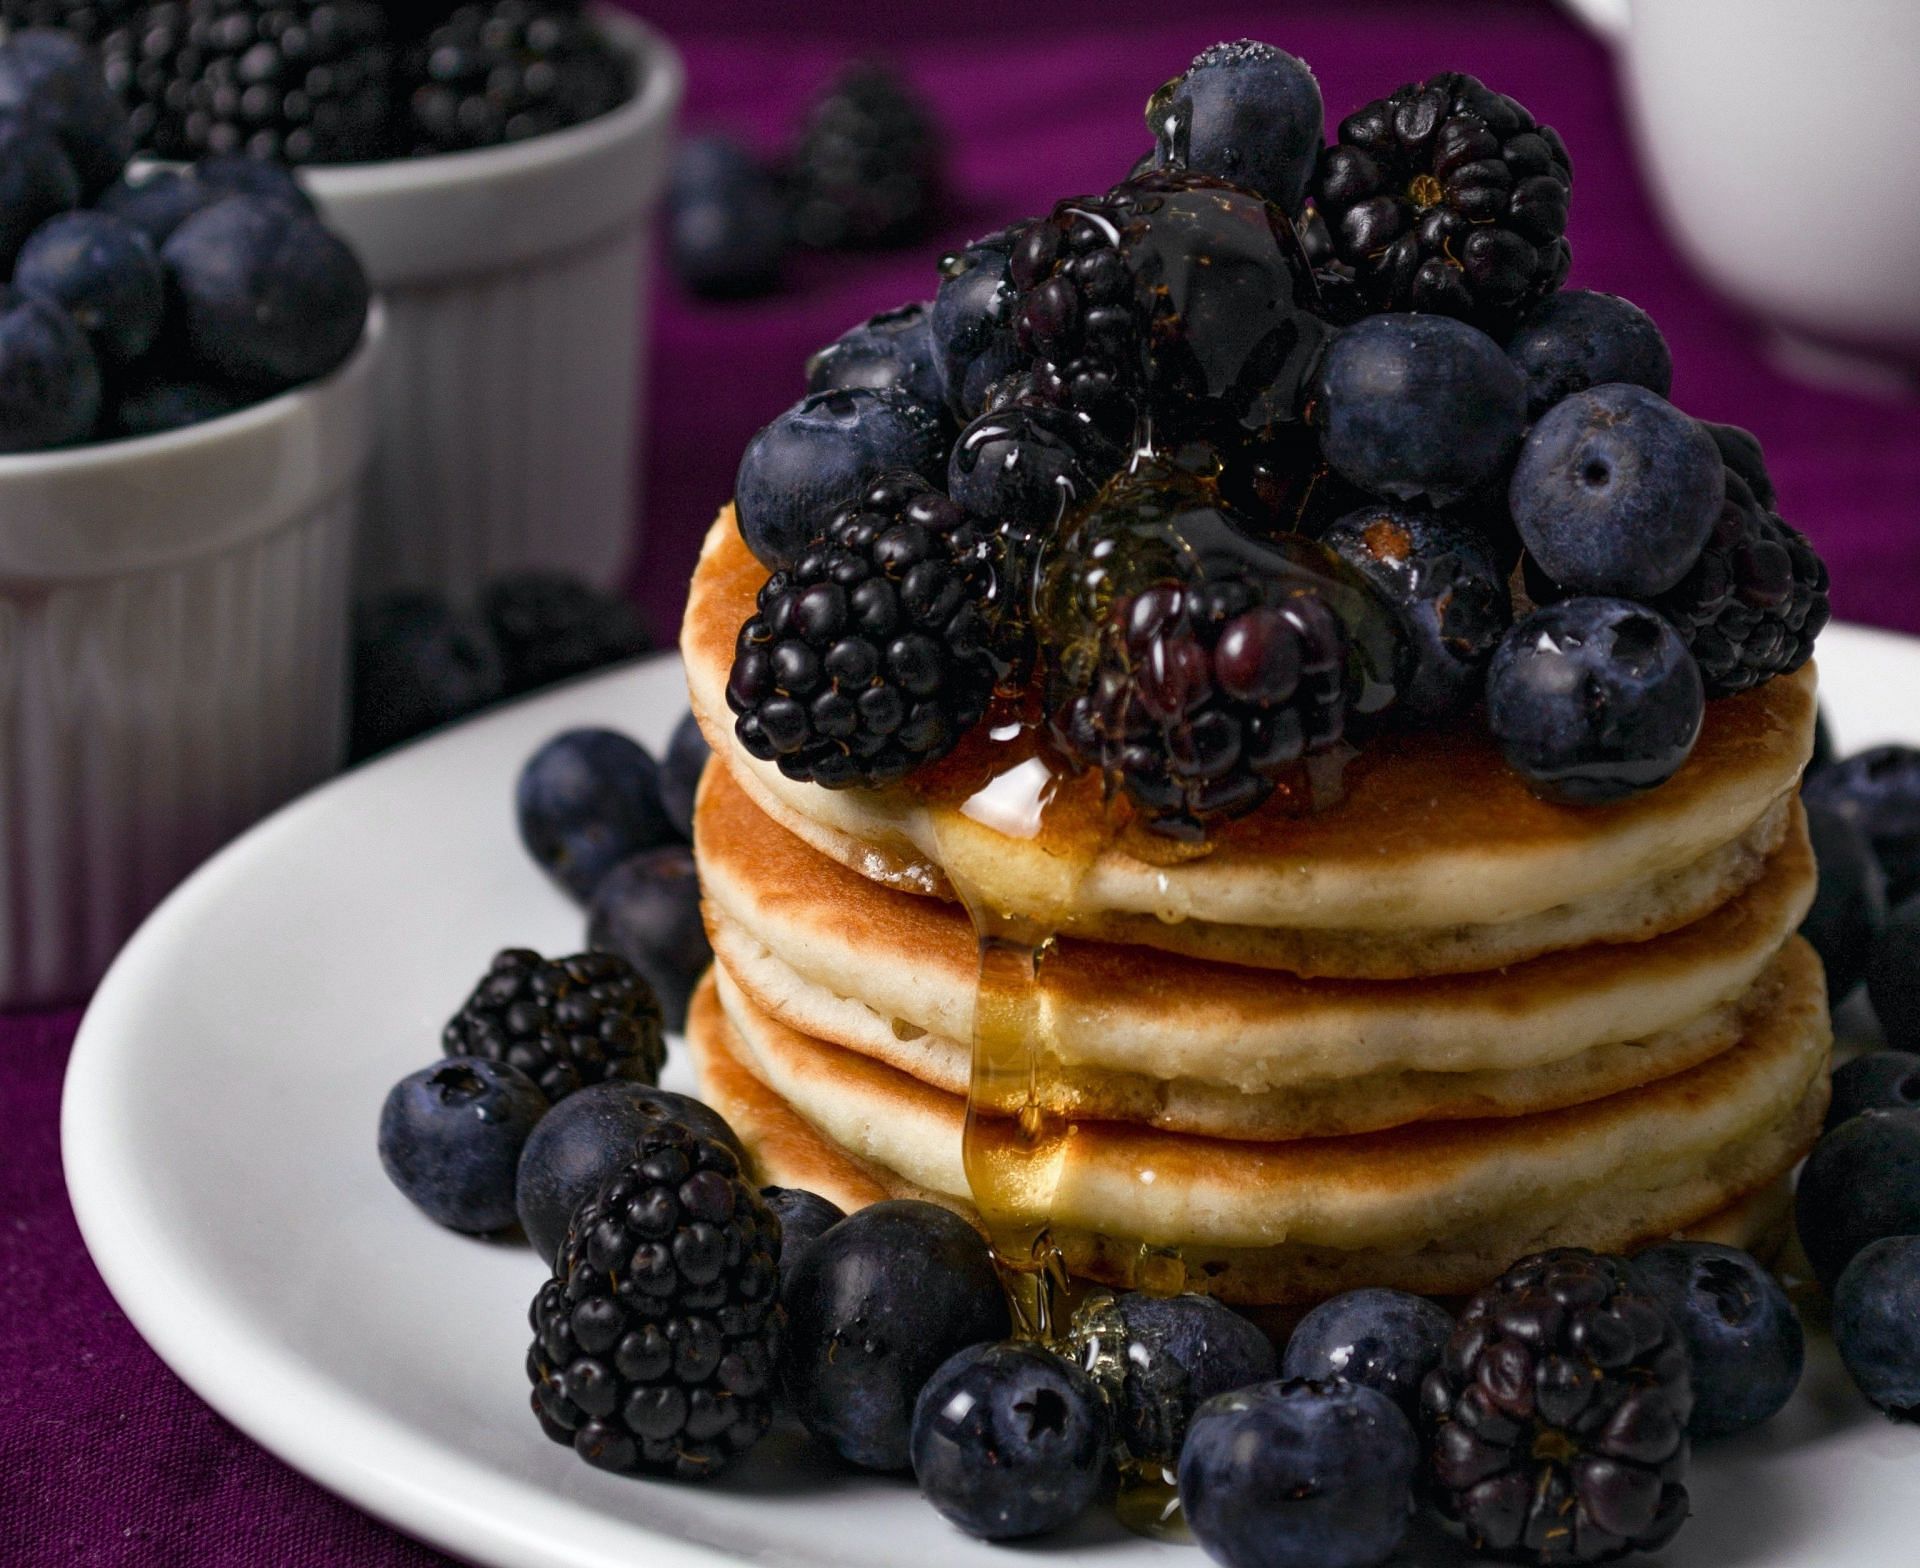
[1246,112]
[150,407]
[1592,700]
[819,455]
[585,1139]
[158,202]
[1893,977]
[1443,580]
[1878,1081]
[52,79]
[1027,465]
[104,274]
[727,229]
[1616,492]
[1850,907]
[1160,1358]
[1009,1441]
[647,909]
[451,1136]
[804,1218]
[892,349]
[1861,1182]
[1418,406]
[686,760]
[1880,790]
[550,626]
[1299,1475]
[1876,1324]
[1740,451]
[49,379]
[417,664]
[36,182]
[233,174]
[1744,1340]
[585,801]
[1578,339]
[1381,1339]
[973,323]
[875,1306]
[267,297]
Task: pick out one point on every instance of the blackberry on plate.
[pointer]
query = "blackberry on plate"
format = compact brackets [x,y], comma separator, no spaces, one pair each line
[1850,902]
[1178,291]
[1245,112]
[1745,1345]
[892,349]
[1740,450]
[1592,700]
[1878,1081]
[1009,1441]
[868,169]
[819,455]
[549,626]
[1382,1339]
[1879,789]
[1447,197]
[647,911]
[1197,666]
[1876,1324]
[1754,600]
[1297,1474]
[505,71]
[580,1144]
[1859,1183]
[451,1136]
[1558,1414]
[655,1342]
[564,1022]
[875,653]
[299,81]
[585,801]
[1442,578]
[1159,1358]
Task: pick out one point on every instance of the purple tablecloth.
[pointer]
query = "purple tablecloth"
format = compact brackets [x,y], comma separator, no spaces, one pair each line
[105,1458]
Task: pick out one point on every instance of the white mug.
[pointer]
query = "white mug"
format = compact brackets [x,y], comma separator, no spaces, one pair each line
[1782,141]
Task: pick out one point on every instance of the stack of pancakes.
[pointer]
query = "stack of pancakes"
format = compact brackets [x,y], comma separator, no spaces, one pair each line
[1400,1041]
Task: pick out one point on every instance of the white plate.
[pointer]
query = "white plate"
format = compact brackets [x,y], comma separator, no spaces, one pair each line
[219,1142]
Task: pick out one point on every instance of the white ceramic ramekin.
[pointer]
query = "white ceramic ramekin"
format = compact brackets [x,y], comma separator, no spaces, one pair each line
[515,280]
[173,617]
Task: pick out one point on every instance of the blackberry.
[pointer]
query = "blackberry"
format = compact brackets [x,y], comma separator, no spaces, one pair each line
[1751,606]
[1197,666]
[564,1022]
[1448,197]
[1558,1414]
[89,22]
[868,170]
[298,81]
[655,1341]
[506,71]
[875,652]
[549,626]
[1174,293]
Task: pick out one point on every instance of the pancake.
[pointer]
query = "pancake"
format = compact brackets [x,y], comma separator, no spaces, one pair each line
[1734,1193]
[1435,857]
[893,975]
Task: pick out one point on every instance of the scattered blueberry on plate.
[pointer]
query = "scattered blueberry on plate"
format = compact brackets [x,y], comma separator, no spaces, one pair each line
[586,801]
[1385,1340]
[451,1137]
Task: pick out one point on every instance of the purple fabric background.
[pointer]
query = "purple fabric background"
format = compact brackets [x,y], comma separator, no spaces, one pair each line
[105,1458]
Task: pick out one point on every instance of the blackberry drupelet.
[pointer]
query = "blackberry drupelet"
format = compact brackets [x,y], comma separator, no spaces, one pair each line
[1199,667]
[868,169]
[655,1341]
[299,81]
[876,652]
[1448,197]
[506,71]
[1558,1414]
[1177,294]
[564,1022]
[1752,605]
